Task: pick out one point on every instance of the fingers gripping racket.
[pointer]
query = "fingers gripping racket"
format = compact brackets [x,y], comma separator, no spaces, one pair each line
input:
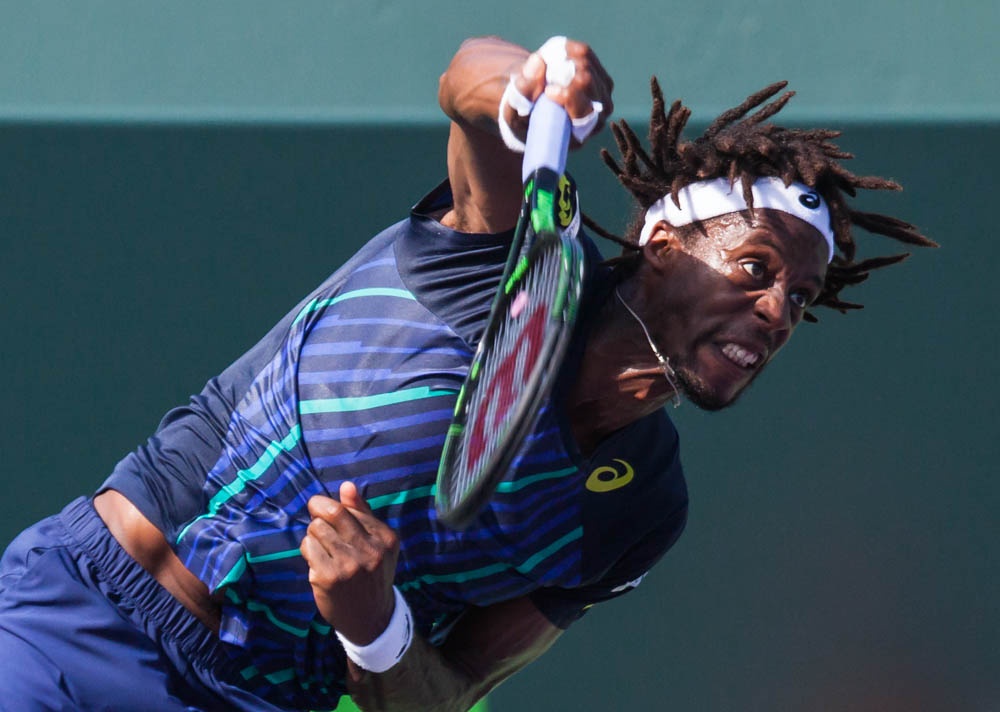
[522,348]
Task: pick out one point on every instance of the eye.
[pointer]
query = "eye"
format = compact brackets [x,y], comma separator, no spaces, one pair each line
[754,268]
[799,299]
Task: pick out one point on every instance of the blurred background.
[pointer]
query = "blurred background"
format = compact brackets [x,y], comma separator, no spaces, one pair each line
[175,176]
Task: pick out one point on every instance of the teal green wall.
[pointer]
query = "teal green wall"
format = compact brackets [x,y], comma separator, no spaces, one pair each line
[174,178]
[841,545]
[329,59]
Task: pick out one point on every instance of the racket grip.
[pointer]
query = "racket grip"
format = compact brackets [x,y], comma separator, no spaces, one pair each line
[548,138]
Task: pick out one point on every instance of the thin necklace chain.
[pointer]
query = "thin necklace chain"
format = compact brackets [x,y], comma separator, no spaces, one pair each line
[668,371]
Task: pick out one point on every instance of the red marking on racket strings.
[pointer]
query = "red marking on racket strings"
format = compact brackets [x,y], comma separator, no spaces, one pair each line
[520,302]
[502,386]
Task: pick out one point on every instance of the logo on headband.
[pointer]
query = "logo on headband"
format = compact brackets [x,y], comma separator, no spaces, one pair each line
[810,200]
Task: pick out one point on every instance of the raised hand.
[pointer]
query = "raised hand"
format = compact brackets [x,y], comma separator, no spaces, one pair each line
[590,83]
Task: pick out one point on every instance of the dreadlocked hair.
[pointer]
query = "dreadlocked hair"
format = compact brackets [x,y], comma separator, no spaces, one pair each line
[740,146]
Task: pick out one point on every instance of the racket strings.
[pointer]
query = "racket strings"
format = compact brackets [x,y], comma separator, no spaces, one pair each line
[501,379]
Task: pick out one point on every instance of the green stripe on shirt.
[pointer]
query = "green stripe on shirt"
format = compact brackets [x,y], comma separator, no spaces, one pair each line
[355,294]
[343,405]
[265,461]
[529,563]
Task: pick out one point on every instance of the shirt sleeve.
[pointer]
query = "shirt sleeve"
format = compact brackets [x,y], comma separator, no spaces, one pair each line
[563,606]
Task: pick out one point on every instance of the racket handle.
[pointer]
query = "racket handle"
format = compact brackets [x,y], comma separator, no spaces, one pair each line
[548,138]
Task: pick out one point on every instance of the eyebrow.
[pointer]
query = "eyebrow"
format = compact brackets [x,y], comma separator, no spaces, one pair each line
[762,236]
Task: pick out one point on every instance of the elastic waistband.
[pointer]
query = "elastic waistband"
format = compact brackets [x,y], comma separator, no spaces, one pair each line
[123,574]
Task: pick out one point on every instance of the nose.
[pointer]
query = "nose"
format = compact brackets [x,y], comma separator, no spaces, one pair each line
[773,310]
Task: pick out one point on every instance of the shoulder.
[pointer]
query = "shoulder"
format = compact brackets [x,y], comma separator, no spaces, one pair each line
[453,274]
[635,500]
[639,463]
[635,507]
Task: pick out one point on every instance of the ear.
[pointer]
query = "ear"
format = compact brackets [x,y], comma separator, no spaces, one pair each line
[663,245]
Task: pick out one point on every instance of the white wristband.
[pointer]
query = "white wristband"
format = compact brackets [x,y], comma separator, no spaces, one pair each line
[585,124]
[559,70]
[518,101]
[390,647]
[522,105]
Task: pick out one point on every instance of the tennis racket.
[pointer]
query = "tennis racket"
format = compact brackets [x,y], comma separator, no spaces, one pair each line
[525,340]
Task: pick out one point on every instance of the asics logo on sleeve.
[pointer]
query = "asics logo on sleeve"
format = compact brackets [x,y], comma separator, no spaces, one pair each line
[607,478]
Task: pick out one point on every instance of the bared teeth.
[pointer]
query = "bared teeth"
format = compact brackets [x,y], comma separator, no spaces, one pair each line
[739,355]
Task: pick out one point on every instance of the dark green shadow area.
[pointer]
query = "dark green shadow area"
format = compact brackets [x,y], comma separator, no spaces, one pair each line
[841,548]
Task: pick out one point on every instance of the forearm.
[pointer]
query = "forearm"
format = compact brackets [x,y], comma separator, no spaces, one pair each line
[469,91]
[422,680]
[485,175]
[487,646]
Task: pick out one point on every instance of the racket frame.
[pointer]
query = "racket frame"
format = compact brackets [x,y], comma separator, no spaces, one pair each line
[536,232]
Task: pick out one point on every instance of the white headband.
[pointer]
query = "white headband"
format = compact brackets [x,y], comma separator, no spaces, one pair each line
[711,198]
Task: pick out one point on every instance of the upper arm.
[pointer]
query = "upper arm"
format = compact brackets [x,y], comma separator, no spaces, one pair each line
[485,175]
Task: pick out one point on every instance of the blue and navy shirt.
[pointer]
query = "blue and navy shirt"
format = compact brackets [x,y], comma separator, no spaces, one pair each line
[358,382]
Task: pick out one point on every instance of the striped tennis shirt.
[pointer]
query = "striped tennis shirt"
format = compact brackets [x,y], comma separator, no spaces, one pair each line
[358,382]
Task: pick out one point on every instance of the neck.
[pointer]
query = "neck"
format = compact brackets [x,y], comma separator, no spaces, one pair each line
[620,378]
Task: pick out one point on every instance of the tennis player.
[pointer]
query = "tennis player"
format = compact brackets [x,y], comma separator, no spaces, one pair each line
[274,544]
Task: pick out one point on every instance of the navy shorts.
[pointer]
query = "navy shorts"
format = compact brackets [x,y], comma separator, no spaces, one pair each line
[84,627]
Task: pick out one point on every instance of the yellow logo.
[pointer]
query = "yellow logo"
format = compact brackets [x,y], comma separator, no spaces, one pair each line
[565,202]
[599,481]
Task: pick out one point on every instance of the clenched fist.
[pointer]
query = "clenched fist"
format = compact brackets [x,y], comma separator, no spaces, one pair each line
[590,83]
[352,563]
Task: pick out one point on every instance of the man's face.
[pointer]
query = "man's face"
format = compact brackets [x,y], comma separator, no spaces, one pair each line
[734,290]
